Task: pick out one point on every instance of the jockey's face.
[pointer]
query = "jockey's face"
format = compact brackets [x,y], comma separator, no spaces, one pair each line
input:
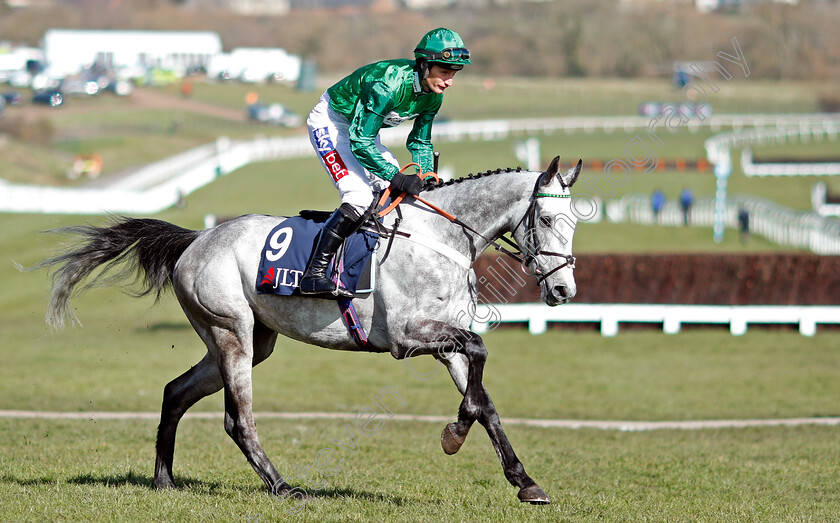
[439,78]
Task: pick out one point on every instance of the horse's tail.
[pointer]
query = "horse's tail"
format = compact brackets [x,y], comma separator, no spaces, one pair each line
[144,249]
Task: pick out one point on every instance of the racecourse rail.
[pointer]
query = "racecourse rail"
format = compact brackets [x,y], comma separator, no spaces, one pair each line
[609,316]
[625,426]
[163,184]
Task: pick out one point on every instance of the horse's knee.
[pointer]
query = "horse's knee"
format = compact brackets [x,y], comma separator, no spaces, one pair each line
[475,350]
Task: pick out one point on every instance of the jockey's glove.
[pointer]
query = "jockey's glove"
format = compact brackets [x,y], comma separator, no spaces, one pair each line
[411,184]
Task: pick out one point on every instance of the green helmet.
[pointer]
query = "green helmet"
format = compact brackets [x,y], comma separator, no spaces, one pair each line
[443,46]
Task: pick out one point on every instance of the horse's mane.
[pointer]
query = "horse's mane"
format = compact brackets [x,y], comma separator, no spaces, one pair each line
[431,185]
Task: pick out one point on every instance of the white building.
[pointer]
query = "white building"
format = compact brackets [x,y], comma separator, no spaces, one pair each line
[707,6]
[69,51]
[259,7]
[14,61]
[255,64]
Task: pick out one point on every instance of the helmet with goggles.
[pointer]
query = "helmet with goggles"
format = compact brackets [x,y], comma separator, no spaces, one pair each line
[443,46]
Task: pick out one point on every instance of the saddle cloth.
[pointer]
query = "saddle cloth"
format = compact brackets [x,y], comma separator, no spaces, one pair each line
[289,246]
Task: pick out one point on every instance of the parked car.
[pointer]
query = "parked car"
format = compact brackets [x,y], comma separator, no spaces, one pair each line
[51,97]
[274,114]
[79,87]
[12,98]
[120,87]
[20,79]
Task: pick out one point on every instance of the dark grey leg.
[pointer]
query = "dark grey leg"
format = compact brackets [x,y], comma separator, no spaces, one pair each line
[178,396]
[476,405]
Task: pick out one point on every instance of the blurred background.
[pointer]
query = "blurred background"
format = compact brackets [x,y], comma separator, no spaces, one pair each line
[96,90]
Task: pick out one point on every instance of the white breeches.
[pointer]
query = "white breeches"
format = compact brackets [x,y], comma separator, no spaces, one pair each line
[329,134]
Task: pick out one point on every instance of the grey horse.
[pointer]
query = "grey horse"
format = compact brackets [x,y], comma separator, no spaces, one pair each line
[423,304]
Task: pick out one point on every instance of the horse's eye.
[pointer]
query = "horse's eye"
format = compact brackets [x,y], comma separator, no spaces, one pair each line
[545,221]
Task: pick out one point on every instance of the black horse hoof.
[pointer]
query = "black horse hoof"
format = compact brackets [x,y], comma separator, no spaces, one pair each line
[450,441]
[163,484]
[284,490]
[534,495]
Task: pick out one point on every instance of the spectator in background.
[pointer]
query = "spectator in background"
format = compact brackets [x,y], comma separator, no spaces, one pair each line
[657,201]
[744,224]
[686,201]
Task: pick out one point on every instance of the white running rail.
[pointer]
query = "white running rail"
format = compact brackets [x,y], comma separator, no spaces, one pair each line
[162,184]
[537,316]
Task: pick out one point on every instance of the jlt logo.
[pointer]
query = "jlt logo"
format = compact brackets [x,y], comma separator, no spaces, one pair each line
[282,277]
[279,244]
[335,165]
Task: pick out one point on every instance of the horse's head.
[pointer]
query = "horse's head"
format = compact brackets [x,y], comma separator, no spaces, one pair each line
[546,238]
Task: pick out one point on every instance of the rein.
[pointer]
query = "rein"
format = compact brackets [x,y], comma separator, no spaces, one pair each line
[528,219]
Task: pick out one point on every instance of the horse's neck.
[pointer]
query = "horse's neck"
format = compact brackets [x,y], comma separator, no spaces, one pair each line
[489,204]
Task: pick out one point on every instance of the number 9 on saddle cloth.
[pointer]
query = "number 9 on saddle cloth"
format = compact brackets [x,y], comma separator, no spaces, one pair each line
[289,246]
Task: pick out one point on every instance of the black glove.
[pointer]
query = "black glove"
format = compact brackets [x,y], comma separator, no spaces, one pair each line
[410,184]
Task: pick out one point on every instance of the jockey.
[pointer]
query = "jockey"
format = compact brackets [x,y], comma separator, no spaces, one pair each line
[344,130]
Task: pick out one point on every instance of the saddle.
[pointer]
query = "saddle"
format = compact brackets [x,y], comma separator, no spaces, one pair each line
[289,245]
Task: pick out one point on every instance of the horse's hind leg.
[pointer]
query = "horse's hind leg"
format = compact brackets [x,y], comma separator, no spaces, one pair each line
[236,358]
[178,396]
[184,391]
[465,361]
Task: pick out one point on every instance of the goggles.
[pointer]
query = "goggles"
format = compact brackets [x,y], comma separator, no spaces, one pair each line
[450,53]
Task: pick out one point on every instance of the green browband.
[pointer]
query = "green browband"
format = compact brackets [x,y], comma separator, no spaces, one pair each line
[549,195]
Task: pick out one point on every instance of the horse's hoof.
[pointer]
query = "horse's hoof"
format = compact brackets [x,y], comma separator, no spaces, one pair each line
[450,441]
[534,495]
[163,484]
[284,490]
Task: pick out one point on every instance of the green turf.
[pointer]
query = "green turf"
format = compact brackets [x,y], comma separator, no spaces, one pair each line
[87,470]
[232,95]
[126,353]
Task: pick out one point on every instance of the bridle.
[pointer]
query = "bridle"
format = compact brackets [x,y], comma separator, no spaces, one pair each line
[528,219]
[524,256]
[534,250]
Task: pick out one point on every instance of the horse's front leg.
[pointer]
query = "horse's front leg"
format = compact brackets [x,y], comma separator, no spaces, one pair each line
[464,354]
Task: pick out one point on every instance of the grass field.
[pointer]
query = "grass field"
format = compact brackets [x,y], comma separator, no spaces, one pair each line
[129,349]
[82,470]
[101,469]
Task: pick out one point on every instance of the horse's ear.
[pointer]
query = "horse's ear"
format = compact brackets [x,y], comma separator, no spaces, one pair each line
[569,177]
[551,172]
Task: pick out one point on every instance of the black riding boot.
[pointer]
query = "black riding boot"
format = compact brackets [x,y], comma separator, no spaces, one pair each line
[341,224]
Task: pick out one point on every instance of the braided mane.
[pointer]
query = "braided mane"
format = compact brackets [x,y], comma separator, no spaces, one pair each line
[431,185]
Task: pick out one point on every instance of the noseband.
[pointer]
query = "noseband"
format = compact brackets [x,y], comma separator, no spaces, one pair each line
[529,220]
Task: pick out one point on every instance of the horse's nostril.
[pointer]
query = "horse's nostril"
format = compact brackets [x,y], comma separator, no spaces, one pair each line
[561,291]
